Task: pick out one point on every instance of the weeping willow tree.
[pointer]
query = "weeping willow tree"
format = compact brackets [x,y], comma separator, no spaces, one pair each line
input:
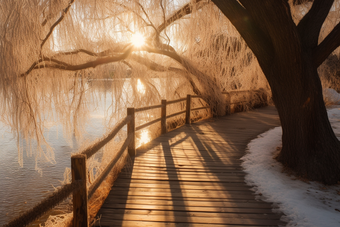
[50,49]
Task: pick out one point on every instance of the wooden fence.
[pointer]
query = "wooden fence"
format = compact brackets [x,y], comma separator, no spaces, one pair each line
[81,192]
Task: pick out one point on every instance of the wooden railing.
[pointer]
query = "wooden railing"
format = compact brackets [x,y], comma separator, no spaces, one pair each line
[78,188]
[81,192]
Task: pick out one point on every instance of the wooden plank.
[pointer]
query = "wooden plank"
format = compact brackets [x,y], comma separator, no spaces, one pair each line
[270,215]
[141,185]
[187,165]
[196,220]
[184,171]
[238,198]
[254,210]
[197,183]
[179,166]
[176,203]
[196,190]
[183,167]
[110,223]
[184,194]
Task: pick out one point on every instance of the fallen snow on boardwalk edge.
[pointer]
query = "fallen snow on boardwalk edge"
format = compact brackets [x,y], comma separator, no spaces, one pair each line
[304,204]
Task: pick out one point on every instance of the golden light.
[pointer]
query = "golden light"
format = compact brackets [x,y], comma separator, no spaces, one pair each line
[137,39]
[140,87]
[144,137]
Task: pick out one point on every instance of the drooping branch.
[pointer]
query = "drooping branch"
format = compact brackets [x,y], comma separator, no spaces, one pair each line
[310,26]
[57,22]
[159,68]
[163,11]
[165,52]
[147,16]
[56,64]
[327,46]
[185,10]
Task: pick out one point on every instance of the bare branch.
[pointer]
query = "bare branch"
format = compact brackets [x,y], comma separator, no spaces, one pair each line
[147,16]
[159,68]
[52,63]
[131,10]
[148,63]
[170,54]
[57,22]
[310,25]
[185,10]
[163,11]
[327,46]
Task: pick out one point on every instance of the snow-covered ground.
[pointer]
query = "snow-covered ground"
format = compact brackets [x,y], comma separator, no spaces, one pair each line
[306,204]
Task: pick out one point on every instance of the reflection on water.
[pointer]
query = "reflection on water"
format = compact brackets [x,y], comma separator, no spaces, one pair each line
[22,188]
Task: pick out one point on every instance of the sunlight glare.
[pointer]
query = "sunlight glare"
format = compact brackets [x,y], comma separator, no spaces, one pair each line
[144,138]
[137,39]
[140,87]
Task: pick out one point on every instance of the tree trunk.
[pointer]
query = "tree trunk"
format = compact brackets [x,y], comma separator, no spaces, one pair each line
[286,54]
[309,145]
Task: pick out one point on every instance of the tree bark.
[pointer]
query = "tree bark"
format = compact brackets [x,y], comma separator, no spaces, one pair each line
[287,58]
[309,145]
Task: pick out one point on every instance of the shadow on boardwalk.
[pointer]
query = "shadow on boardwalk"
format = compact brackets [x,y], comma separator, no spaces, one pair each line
[192,177]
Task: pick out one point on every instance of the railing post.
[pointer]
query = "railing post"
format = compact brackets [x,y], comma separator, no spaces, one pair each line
[79,173]
[228,101]
[131,128]
[188,110]
[163,117]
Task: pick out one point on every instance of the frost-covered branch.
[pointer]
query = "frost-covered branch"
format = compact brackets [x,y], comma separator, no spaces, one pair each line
[56,64]
[185,10]
[159,68]
[57,22]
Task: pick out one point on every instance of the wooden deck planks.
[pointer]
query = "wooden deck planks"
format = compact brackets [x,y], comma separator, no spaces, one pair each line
[192,177]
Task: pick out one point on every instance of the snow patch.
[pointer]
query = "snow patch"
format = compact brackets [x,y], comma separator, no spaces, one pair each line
[304,204]
[331,96]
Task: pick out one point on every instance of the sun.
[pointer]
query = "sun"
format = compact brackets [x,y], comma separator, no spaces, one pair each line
[137,39]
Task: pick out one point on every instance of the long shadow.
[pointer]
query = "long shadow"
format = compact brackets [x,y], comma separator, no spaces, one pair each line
[219,155]
[241,128]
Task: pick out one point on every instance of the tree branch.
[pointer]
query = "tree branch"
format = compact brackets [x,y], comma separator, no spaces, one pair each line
[170,54]
[310,25]
[56,64]
[185,10]
[159,68]
[327,46]
[57,22]
[255,38]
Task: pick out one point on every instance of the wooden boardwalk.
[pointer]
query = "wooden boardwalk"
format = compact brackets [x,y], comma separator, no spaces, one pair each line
[192,177]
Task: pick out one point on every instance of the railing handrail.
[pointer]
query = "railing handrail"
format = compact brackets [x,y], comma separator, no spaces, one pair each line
[79,173]
[176,101]
[147,108]
[91,150]
[108,168]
